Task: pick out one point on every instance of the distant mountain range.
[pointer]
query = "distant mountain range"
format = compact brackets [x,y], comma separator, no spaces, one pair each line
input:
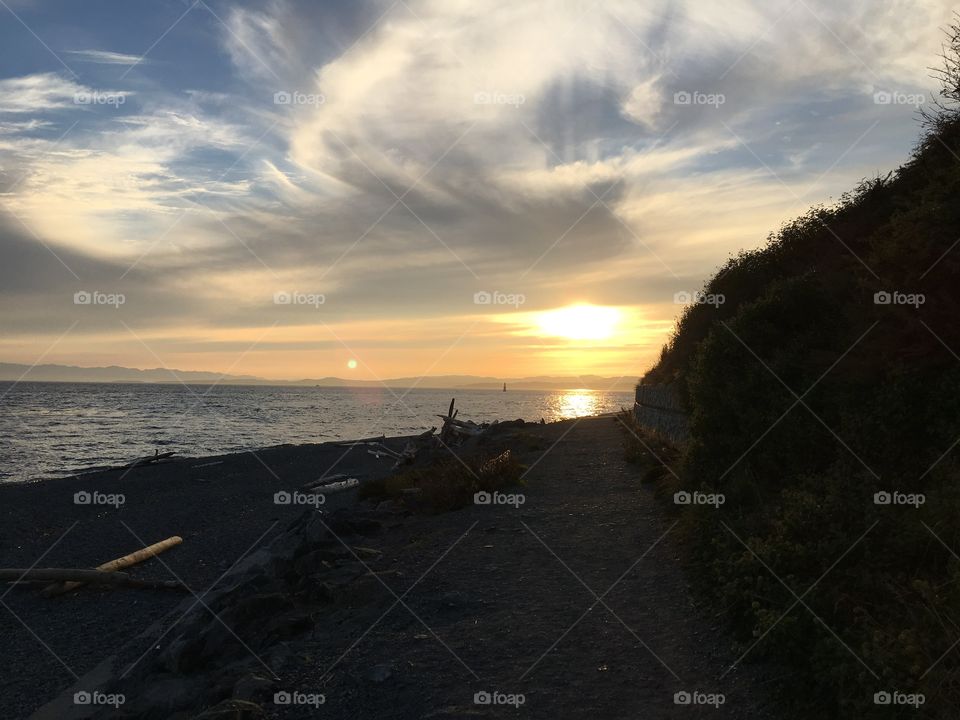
[117,374]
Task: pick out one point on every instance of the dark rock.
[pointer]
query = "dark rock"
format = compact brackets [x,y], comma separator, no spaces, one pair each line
[233,710]
[379,673]
[253,686]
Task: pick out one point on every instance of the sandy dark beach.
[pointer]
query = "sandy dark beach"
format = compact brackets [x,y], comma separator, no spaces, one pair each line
[574,599]
[221,506]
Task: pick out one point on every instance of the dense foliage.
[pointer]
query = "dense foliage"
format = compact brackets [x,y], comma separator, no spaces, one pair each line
[807,396]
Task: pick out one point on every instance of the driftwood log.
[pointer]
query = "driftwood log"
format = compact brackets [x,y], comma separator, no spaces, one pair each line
[334,487]
[120,563]
[149,459]
[91,577]
[455,431]
[323,481]
[361,441]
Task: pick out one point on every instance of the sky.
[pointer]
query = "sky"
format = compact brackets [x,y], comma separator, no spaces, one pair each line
[377,189]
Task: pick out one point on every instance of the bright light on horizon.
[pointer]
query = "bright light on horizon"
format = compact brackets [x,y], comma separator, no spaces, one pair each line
[580,322]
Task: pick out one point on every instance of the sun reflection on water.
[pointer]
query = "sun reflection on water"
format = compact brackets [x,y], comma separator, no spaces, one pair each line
[577,403]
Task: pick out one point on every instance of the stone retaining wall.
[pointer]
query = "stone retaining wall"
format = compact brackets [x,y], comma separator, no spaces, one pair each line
[657,408]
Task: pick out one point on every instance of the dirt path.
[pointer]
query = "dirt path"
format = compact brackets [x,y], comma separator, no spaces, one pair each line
[575,600]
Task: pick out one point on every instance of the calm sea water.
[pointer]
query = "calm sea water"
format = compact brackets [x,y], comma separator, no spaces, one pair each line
[50,429]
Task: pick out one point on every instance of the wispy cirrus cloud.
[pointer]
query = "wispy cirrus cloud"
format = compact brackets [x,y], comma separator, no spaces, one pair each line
[38,93]
[106,57]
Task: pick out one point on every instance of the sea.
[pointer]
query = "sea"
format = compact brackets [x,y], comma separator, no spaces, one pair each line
[55,429]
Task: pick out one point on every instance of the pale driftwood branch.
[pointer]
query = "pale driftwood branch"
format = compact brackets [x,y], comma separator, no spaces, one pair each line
[323,481]
[408,455]
[377,452]
[334,487]
[120,563]
[361,441]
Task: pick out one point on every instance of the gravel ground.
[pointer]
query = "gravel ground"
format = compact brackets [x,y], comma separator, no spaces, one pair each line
[574,600]
[222,511]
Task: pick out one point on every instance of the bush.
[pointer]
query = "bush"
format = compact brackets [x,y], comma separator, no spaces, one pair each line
[880,584]
[447,484]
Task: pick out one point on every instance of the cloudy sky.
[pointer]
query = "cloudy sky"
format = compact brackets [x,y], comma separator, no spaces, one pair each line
[299,189]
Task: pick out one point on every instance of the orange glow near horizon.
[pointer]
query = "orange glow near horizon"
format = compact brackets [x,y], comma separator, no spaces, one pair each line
[580,322]
[571,340]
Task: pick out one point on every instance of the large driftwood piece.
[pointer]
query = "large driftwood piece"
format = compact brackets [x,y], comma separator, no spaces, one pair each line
[119,564]
[92,577]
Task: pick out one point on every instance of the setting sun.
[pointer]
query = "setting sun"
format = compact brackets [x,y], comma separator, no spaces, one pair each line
[580,322]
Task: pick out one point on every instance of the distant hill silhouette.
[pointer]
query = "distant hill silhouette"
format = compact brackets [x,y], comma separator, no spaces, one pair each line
[117,374]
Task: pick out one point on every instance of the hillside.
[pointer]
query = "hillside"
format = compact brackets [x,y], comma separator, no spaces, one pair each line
[824,403]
